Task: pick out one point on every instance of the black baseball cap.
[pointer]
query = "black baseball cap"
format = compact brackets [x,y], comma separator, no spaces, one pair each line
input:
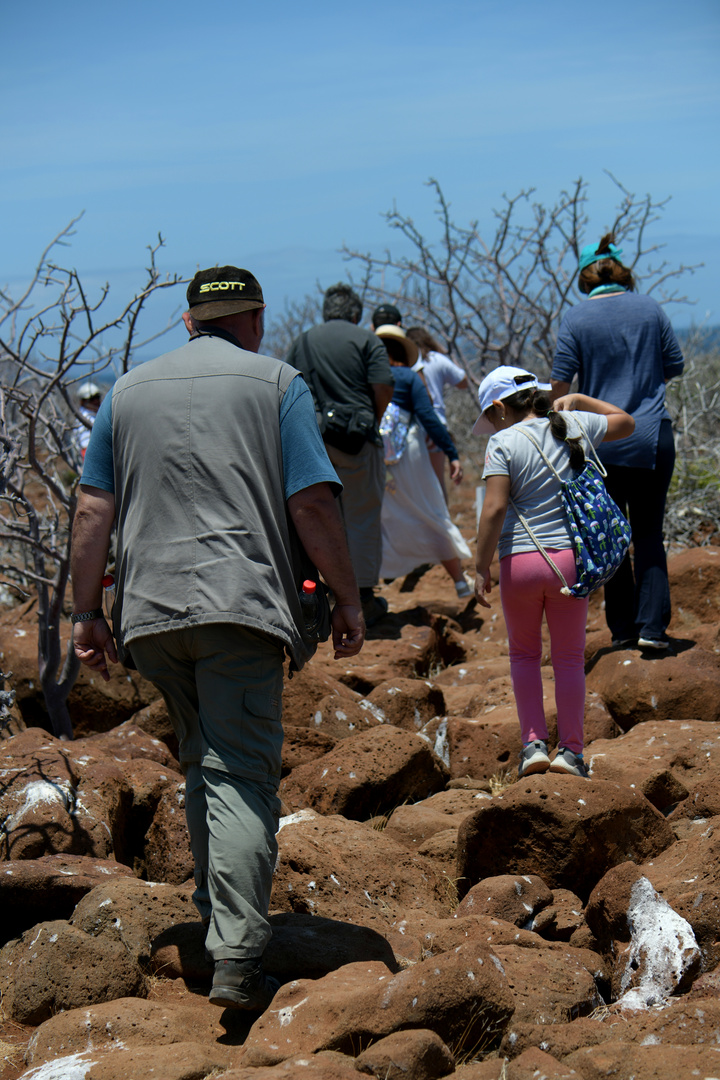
[386,314]
[223,290]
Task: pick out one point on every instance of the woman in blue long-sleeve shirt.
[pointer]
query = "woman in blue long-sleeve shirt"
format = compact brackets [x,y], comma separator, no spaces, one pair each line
[416,527]
[622,348]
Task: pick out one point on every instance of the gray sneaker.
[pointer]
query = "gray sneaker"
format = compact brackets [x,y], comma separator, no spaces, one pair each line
[242,984]
[568,762]
[533,759]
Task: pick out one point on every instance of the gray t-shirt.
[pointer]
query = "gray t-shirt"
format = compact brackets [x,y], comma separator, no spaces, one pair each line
[534,489]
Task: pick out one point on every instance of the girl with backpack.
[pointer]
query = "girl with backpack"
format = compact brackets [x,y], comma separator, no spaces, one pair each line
[519,482]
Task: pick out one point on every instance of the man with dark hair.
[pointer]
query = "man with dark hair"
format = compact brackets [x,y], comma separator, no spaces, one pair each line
[342,303]
[386,315]
[348,371]
[209,461]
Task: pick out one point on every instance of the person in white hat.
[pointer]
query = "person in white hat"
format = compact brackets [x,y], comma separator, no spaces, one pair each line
[416,525]
[90,399]
[519,482]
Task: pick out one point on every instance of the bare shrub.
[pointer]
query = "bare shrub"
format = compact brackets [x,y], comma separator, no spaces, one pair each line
[499,298]
[52,336]
[693,514]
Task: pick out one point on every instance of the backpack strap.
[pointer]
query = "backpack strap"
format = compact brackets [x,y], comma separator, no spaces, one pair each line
[523,521]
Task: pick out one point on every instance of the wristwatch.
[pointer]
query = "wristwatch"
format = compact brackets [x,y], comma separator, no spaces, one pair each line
[87,616]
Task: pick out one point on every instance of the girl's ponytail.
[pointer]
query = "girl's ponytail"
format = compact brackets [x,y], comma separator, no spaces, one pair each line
[541,406]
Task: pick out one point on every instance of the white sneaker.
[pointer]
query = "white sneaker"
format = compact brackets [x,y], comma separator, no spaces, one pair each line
[659,644]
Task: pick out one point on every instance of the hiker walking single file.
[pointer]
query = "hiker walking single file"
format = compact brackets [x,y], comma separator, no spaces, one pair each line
[209,461]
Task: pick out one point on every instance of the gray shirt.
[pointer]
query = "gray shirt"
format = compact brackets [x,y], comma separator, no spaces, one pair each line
[533,488]
[340,361]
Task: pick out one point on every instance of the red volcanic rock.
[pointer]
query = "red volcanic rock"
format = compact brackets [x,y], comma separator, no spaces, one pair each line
[561,918]
[688,749]
[459,994]
[56,966]
[408,703]
[557,984]
[418,1053]
[35,890]
[56,801]
[441,848]
[514,898]
[397,648]
[94,705]
[348,871]
[535,1063]
[133,913]
[126,742]
[167,854]
[335,717]
[695,583]
[303,744]
[441,935]
[665,1062]
[487,741]
[180,1061]
[154,720]
[327,1065]
[690,1020]
[414,823]
[366,775]
[131,1023]
[567,830]
[637,686]
[114,795]
[307,688]
[663,789]
[486,745]
[702,801]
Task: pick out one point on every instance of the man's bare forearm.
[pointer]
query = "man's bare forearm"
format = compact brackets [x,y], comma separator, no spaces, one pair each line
[317,519]
[92,527]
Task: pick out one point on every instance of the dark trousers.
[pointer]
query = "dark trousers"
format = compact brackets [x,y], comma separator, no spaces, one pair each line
[637,598]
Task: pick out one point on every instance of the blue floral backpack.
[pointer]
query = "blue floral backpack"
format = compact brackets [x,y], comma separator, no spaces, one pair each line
[601,534]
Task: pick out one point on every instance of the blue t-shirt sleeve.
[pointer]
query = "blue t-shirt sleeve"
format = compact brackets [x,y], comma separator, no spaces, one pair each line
[305,460]
[567,358]
[98,465]
[673,360]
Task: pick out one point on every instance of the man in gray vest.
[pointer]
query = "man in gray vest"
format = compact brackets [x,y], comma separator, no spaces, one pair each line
[209,461]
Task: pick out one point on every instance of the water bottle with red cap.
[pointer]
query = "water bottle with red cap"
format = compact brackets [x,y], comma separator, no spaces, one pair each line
[108,585]
[310,605]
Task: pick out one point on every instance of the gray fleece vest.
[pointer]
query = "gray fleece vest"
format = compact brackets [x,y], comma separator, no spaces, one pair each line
[203,535]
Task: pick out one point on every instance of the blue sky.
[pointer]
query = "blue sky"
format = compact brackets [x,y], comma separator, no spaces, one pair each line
[267,135]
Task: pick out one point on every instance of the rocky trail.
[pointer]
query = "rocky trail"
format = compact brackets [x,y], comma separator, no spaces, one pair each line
[432,915]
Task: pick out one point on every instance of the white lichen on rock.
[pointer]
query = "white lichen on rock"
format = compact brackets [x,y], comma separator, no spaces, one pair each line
[663,950]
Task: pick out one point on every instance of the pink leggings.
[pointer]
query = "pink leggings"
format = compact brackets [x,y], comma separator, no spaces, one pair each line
[528,587]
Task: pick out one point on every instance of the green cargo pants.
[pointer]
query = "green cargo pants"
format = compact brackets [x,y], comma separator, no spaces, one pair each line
[223,688]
